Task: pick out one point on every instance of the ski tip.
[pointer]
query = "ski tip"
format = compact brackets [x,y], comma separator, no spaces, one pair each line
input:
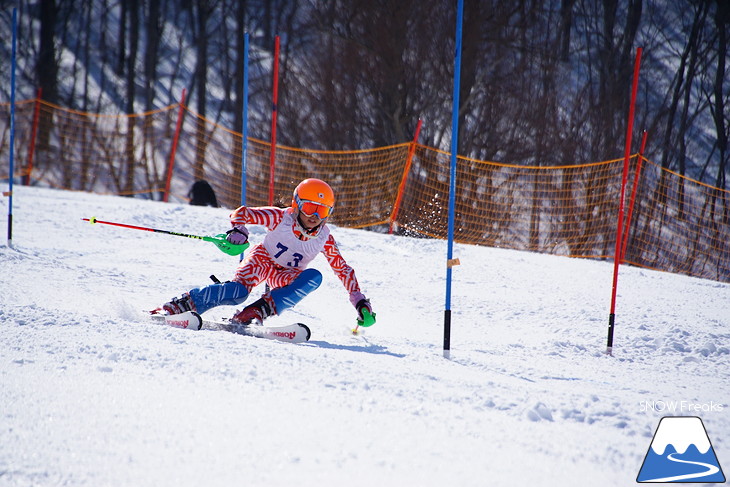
[307,330]
[200,320]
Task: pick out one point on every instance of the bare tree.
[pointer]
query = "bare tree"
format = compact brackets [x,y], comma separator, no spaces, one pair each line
[719,108]
[131,78]
[542,81]
[204,8]
[47,65]
[153,31]
[682,88]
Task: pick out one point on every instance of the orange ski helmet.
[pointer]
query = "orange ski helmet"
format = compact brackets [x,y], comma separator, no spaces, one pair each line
[314,196]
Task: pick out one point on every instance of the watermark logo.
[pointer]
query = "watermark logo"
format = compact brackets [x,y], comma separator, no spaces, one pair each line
[680,452]
[680,407]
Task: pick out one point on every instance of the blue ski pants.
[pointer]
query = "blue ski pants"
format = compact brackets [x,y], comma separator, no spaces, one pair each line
[233,293]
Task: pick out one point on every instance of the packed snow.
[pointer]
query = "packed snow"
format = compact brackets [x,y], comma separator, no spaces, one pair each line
[93,393]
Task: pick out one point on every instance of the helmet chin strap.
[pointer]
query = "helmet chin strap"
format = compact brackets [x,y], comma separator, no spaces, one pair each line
[301,231]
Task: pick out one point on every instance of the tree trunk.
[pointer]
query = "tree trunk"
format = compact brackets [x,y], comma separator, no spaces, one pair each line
[151,59]
[722,19]
[201,75]
[130,96]
[47,67]
[238,88]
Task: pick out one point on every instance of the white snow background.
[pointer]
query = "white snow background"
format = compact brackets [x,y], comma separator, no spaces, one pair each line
[93,393]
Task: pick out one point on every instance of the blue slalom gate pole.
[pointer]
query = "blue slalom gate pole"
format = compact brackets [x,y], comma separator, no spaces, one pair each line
[450,261]
[12,129]
[244,145]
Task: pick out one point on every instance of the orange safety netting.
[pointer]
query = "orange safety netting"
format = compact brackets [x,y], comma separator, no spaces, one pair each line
[677,224]
[365,181]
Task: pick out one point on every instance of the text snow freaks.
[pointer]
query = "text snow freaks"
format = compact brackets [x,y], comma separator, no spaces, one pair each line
[680,407]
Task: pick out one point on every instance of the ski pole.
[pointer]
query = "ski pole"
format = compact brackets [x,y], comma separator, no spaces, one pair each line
[219,240]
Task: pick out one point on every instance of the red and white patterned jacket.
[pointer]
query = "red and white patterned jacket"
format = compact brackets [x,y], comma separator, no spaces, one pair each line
[291,254]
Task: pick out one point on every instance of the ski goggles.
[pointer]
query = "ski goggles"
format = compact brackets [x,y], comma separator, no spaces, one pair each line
[310,208]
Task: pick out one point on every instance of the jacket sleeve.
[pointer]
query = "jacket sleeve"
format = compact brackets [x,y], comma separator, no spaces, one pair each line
[340,267]
[269,216]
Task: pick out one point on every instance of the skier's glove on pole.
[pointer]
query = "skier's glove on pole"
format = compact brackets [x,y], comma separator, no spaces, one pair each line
[365,315]
[237,235]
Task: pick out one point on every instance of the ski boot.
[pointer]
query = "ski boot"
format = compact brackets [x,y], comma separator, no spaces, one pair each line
[179,305]
[253,314]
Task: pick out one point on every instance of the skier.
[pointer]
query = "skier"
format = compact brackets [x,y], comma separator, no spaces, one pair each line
[295,236]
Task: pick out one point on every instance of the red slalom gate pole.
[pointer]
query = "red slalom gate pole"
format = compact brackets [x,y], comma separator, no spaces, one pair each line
[406,170]
[175,139]
[632,200]
[33,134]
[624,179]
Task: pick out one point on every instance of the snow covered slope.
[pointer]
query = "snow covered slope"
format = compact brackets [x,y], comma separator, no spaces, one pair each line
[92,393]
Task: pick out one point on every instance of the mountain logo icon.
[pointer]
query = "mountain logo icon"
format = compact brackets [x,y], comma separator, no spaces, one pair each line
[680,452]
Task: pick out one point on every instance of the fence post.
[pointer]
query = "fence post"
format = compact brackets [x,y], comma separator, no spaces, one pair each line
[406,171]
[175,139]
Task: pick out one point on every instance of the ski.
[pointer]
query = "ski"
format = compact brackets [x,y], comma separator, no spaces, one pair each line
[294,333]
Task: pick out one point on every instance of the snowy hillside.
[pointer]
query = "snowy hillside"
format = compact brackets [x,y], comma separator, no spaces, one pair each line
[93,393]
